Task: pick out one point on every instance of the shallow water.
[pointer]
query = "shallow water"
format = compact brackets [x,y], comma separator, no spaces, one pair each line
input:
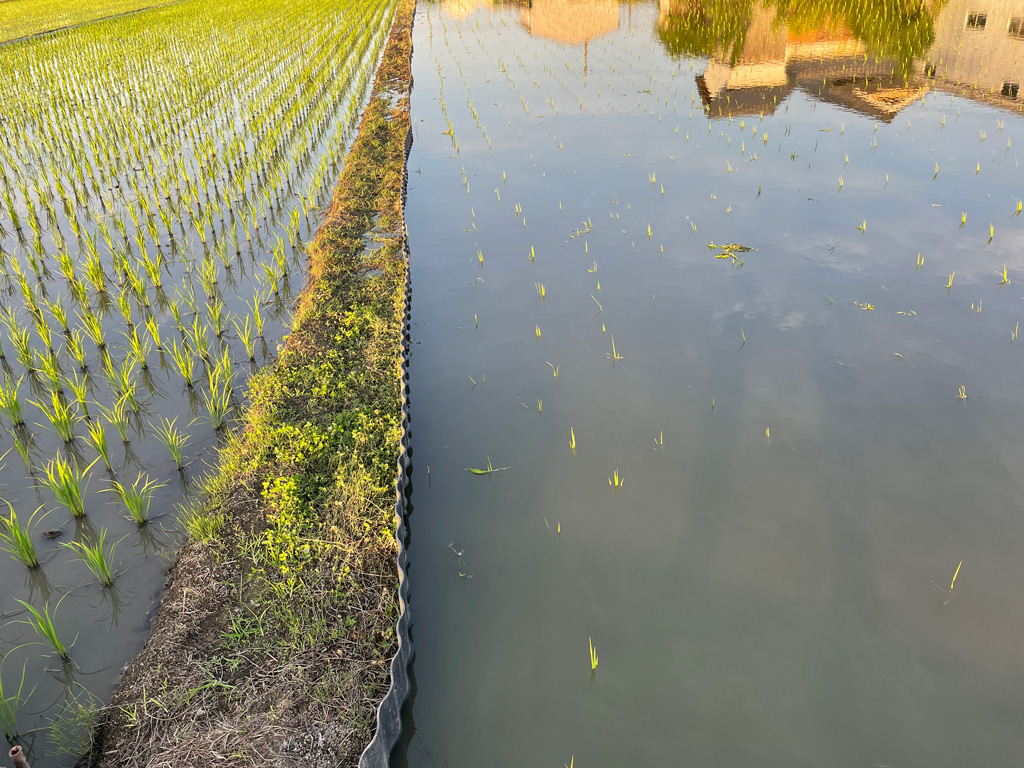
[773,581]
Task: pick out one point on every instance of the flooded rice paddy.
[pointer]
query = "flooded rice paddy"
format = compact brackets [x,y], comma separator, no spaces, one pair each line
[728,297]
[160,175]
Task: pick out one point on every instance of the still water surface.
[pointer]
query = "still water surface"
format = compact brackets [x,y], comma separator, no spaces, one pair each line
[772,583]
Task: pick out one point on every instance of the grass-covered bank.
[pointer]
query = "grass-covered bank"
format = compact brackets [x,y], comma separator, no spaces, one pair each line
[272,643]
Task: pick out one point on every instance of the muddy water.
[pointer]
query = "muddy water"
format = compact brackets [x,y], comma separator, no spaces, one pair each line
[801,472]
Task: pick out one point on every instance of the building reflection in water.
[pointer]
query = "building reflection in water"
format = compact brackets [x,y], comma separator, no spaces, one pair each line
[872,56]
[574,22]
[758,54]
[979,51]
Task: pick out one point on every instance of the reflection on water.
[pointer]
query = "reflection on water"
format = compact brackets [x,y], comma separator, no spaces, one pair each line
[829,63]
[979,50]
[872,56]
[872,59]
[571,21]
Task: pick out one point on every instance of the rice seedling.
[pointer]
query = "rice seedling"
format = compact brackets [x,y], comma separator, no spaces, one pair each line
[124,305]
[541,291]
[593,655]
[176,314]
[487,471]
[10,403]
[218,316]
[96,437]
[49,368]
[10,702]
[117,417]
[41,623]
[961,393]
[217,398]
[76,347]
[245,333]
[59,313]
[572,441]
[45,336]
[198,341]
[22,344]
[957,573]
[138,497]
[184,362]
[172,439]
[61,415]
[257,318]
[272,278]
[614,355]
[97,557]
[93,329]
[124,384]
[65,482]
[80,389]
[138,349]
[17,539]
[949,285]
[615,481]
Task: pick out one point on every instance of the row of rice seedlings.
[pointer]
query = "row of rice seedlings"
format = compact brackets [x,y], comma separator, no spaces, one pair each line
[176,168]
[49,16]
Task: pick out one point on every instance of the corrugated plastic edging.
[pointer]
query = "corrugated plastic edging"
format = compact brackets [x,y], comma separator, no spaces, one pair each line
[389,714]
